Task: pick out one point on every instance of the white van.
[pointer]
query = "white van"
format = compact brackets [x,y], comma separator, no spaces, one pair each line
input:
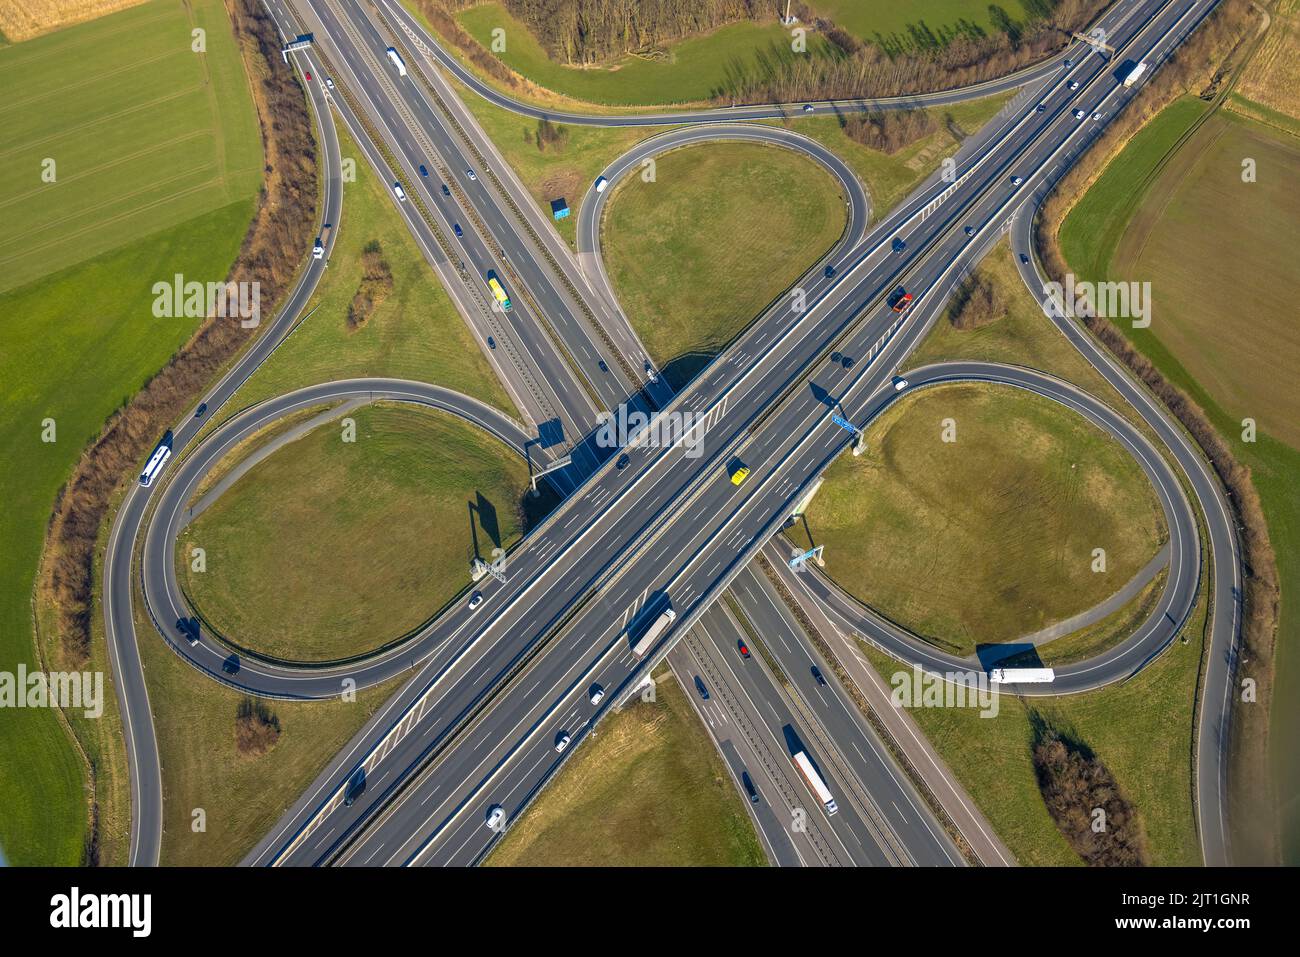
[399,192]
[601,183]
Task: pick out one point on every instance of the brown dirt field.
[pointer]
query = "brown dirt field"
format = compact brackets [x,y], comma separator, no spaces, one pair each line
[1272,78]
[24,19]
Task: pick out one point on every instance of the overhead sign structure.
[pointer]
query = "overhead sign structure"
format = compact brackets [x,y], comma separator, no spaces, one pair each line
[300,42]
[799,559]
[860,437]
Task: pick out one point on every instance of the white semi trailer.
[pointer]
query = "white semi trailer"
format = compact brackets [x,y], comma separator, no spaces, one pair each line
[397,61]
[1135,74]
[1021,676]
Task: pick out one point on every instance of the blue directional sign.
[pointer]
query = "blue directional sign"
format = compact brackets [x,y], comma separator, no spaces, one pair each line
[844,423]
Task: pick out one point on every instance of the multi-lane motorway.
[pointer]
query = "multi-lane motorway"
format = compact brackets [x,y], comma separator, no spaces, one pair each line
[492,688]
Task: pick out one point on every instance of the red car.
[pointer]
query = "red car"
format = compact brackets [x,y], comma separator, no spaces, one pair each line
[744,649]
[902,302]
[309,77]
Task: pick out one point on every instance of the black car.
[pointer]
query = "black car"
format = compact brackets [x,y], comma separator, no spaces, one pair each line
[817,673]
[356,787]
[699,686]
[830,271]
[1024,259]
[898,245]
[455,227]
[445,190]
[492,343]
[748,782]
[847,362]
[424,171]
[601,363]
[622,462]
[198,413]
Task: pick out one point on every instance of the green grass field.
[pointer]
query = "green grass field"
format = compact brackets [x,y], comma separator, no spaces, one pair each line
[241,796]
[328,549]
[912,24]
[694,70]
[648,789]
[78,336]
[416,333]
[989,537]
[1202,225]
[1141,729]
[697,254]
[143,133]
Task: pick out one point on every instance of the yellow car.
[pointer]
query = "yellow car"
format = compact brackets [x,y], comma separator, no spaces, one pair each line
[739,474]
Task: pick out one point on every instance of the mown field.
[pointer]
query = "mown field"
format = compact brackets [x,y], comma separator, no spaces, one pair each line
[990,537]
[646,790]
[723,229]
[78,259]
[328,548]
[143,134]
[1208,238]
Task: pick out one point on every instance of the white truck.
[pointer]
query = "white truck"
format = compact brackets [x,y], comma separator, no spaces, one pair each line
[318,251]
[653,633]
[1135,74]
[1019,676]
[814,781]
[397,61]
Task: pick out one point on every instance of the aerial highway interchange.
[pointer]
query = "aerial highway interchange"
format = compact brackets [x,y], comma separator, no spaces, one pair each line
[649,527]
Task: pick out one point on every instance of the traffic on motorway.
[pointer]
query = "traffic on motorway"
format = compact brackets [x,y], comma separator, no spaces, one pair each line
[653,547]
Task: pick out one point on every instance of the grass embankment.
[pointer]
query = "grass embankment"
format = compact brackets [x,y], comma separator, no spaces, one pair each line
[415,333]
[126,210]
[889,177]
[329,548]
[647,790]
[1214,249]
[989,537]
[725,228]
[241,795]
[1140,729]
[691,71]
